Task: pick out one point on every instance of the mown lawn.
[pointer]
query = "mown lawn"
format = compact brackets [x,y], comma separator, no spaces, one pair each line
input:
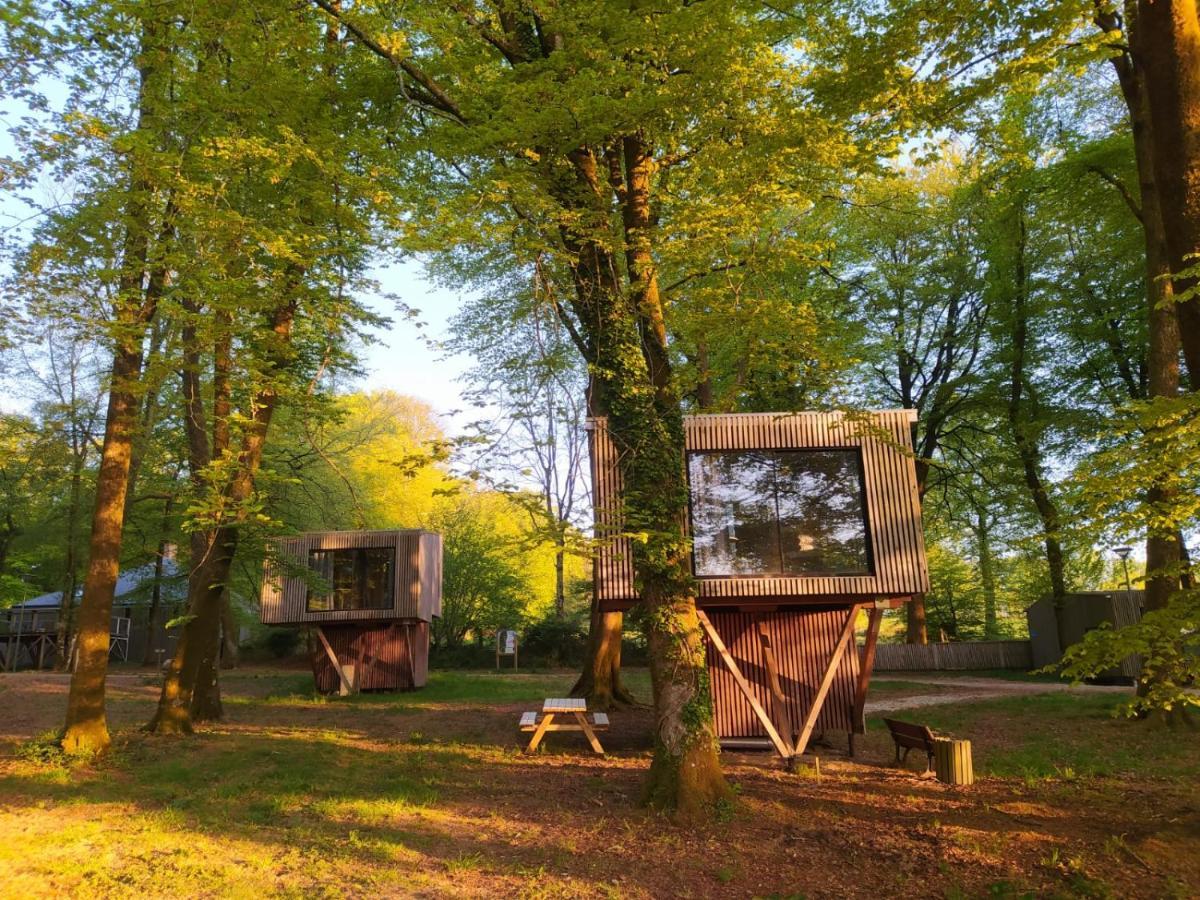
[427,794]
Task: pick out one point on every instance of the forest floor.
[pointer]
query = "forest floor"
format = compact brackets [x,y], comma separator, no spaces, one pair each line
[427,794]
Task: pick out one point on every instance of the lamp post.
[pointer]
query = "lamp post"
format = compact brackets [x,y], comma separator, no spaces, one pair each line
[1123,554]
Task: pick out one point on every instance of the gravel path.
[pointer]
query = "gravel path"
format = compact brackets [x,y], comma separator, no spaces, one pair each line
[968,689]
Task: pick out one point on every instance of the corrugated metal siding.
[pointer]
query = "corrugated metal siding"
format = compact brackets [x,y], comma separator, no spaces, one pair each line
[400,651]
[803,641]
[893,508]
[285,599]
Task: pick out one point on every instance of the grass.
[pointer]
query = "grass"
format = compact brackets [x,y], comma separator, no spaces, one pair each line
[426,793]
[1062,734]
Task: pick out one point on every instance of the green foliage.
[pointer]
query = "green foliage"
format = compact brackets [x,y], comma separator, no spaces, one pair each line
[282,642]
[555,642]
[484,587]
[1165,641]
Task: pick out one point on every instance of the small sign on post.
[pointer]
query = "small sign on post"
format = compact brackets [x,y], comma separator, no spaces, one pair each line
[506,645]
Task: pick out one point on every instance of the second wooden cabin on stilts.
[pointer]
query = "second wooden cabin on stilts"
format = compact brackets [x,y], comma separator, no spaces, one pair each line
[367,597]
[801,522]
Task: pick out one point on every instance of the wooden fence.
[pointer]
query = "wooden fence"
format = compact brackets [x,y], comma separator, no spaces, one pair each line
[957,656]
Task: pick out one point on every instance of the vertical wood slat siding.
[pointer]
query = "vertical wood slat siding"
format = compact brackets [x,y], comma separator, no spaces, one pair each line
[285,599]
[431,577]
[889,480]
[803,641]
[1127,610]
[963,655]
[400,649]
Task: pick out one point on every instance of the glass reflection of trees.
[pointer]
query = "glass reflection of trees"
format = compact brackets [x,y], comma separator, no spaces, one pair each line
[778,512]
[357,578]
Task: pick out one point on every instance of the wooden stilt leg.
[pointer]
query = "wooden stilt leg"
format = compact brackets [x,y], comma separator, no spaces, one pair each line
[783,746]
[857,717]
[346,687]
[835,660]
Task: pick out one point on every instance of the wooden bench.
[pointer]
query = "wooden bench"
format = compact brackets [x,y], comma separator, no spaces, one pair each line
[529,721]
[912,737]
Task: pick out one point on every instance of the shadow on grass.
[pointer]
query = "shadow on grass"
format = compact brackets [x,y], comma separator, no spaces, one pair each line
[334,795]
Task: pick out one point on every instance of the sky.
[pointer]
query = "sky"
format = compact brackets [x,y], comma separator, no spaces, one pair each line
[403,359]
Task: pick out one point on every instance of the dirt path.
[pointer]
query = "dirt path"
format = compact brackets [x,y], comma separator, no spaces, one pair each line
[970,689]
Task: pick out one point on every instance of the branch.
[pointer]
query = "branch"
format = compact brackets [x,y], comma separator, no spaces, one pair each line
[715,270]
[1121,189]
[431,96]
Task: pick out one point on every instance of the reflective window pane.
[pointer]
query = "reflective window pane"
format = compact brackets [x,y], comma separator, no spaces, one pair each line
[792,512]
[822,522]
[356,578]
[733,513]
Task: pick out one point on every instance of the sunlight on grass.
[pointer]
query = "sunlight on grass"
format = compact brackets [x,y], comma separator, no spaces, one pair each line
[1062,736]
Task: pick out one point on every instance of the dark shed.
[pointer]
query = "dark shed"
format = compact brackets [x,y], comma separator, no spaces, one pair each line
[800,522]
[1082,612]
[367,596]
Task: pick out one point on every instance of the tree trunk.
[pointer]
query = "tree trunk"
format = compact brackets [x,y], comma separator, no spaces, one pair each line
[86,725]
[1167,53]
[600,681]
[560,586]
[627,335]
[191,689]
[229,632]
[916,631]
[86,728]
[66,610]
[148,655]
[1163,549]
[1023,431]
[987,574]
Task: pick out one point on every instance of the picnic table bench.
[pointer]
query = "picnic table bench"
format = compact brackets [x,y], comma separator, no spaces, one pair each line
[912,737]
[568,706]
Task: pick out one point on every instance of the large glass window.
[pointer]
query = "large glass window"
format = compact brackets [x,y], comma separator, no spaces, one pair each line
[354,578]
[778,512]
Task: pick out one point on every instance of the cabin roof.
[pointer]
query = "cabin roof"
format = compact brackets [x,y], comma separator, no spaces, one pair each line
[133,586]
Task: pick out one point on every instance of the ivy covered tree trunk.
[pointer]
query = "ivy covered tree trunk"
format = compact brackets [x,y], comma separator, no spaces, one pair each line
[627,336]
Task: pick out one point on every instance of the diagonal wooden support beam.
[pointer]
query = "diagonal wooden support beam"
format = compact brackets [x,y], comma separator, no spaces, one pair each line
[347,687]
[784,747]
[864,672]
[835,660]
[780,702]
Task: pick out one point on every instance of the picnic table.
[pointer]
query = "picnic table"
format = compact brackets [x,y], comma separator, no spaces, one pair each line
[564,706]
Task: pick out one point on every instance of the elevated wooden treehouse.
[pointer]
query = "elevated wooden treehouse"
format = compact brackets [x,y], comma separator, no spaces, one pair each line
[800,523]
[369,598]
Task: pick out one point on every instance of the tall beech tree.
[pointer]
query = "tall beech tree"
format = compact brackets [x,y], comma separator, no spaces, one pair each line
[629,149]
[282,215]
[1165,49]
[109,243]
[911,256]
